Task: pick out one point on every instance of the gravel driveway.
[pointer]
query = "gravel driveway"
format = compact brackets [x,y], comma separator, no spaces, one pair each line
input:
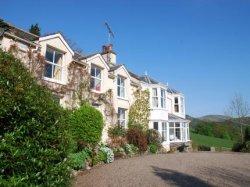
[180,169]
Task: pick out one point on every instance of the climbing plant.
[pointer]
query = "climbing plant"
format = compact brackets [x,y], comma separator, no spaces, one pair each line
[139,111]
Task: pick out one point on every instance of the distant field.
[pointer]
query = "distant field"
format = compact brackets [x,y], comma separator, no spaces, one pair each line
[211,141]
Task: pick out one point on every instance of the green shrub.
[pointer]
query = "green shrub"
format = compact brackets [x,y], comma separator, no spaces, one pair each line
[237,147]
[137,137]
[154,137]
[153,148]
[99,158]
[86,124]
[119,152]
[77,160]
[116,131]
[33,139]
[247,134]
[203,148]
[247,147]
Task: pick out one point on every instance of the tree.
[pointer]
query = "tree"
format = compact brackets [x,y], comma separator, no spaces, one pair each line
[35,29]
[239,109]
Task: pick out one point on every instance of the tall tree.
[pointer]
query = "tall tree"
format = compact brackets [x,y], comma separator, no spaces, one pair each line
[239,109]
[35,29]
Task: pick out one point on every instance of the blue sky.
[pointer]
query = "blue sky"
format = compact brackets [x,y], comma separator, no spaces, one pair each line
[200,47]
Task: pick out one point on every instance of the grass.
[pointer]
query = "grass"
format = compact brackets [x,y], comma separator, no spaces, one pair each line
[211,141]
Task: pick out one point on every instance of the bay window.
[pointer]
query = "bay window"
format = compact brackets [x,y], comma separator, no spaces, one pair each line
[121,117]
[164,131]
[54,62]
[163,98]
[95,82]
[155,98]
[121,87]
[174,131]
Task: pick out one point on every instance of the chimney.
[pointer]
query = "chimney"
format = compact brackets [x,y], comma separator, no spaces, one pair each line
[108,54]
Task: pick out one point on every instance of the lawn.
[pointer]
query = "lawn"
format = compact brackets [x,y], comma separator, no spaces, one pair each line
[211,141]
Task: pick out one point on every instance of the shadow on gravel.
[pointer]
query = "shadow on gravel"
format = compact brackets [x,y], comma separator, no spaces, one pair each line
[228,175]
[177,178]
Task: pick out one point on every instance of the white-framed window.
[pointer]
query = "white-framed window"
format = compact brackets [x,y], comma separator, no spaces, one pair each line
[96,78]
[120,87]
[54,62]
[154,98]
[155,125]
[176,104]
[121,116]
[182,105]
[164,131]
[163,98]
[174,131]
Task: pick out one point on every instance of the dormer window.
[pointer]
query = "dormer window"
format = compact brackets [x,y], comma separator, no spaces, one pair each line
[96,80]
[176,104]
[53,66]
[121,87]
[155,98]
[163,98]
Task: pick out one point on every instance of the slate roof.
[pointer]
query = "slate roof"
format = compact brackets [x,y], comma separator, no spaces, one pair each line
[147,79]
[20,32]
[172,91]
[174,117]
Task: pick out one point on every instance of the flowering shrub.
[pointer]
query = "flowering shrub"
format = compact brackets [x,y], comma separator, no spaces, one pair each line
[130,149]
[109,154]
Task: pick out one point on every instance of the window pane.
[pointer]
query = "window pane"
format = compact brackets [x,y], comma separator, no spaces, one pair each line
[155,102]
[118,91]
[49,55]
[97,84]
[58,58]
[154,91]
[171,124]
[171,134]
[176,100]
[48,70]
[92,83]
[98,73]
[176,108]
[93,71]
[177,124]
[177,133]
[156,125]
[57,72]
[122,94]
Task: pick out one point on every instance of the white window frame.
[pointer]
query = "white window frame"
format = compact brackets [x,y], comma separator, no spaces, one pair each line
[163,98]
[121,87]
[155,98]
[176,104]
[164,131]
[95,77]
[182,104]
[121,117]
[174,128]
[54,64]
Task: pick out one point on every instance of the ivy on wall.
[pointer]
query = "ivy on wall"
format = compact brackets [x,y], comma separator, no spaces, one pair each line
[140,110]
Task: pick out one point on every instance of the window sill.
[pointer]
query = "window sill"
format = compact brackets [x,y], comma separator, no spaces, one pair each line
[158,109]
[95,91]
[122,98]
[53,80]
